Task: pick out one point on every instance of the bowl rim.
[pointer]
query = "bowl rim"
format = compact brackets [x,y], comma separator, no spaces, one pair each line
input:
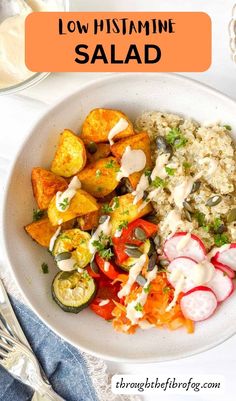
[32,128]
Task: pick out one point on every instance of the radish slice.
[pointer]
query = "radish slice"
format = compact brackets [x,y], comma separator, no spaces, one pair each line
[192,248]
[223,268]
[198,304]
[182,266]
[221,285]
[227,257]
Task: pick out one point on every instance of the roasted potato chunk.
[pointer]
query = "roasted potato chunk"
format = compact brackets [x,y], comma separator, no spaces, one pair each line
[103,150]
[126,211]
[70,155]
[89,221]
[45,185]
[138,141]
[82,203]
[41,231]
[99,122]
[99,178]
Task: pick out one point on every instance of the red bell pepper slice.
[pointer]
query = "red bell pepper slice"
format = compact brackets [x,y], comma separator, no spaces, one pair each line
[109,270]
[106,292]
[127,237]
[92,273]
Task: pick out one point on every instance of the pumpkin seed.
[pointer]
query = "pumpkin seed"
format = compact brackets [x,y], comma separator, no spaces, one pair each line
[188,215]
[188,207]
[92,147]
[214,200]
[164,262]
[152,247]
[152,262]
[62,256]
[140,234]
[102,219]
[133,253]
[157,240]
[141,280]
[131,246]
[152,218]
[231,216]
[195,187]
[94,266]
[145,195]
[164,146]
[221,229]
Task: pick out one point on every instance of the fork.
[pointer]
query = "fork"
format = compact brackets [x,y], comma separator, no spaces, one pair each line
[21,363]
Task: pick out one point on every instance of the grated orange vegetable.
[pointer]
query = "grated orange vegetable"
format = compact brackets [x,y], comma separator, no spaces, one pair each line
[159,297]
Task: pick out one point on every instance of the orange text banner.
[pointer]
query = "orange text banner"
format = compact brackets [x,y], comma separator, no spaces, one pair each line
[118,41]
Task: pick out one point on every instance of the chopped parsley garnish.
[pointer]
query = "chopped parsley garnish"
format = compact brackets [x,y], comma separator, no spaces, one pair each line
[200,217]
[44,268]
[98,173]
[221,239]
[64,204]
[37,214]
[138,307]
[124,212]
[147,289]
[115,203]
[122,225]
[217,223]
[99,189]
[228,127]
[106,208]
[158,182]
[147,173]
[176,138]
[102,246]
[186,165]
[166,290]
[110,164]
[170,171]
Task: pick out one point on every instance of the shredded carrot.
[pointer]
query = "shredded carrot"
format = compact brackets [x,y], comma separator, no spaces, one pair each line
[159,297]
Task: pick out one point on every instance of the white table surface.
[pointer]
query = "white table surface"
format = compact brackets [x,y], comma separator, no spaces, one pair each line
[19,111]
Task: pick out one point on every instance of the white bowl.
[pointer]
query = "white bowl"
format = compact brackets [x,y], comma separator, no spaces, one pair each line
[132,93]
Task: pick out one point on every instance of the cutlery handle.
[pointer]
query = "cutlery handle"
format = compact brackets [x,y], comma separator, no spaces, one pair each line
[48,394]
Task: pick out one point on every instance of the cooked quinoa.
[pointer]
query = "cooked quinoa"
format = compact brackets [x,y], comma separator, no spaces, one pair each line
[208,150]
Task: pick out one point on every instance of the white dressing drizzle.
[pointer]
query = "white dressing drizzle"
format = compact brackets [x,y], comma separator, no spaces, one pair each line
[106,266]
[200,274]
[67,265]
[151,197]
[183,242]
[63,199]
[143,184]
[131,311]
[132,161]
[173,221]
[117,129]
[159,169]
[182,191]
[104,302]
[53,239]
[133,273]
[104,228]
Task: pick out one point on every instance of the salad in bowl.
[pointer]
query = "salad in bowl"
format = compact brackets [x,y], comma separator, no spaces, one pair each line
[140,219]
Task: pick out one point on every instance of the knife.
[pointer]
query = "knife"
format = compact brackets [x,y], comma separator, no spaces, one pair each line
[9,321]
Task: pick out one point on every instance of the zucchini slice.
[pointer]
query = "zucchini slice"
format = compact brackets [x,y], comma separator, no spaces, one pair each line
[73,291]
[75,242]
[128,263]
